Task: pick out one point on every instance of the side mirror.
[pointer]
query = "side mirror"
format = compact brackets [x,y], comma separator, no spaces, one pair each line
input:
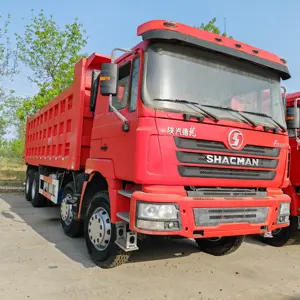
[109,79]
[293,118]
[94,89]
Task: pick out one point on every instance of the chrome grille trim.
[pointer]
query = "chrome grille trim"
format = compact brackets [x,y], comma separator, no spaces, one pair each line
[209,217]
[215,146]
[200,158]
[229,173]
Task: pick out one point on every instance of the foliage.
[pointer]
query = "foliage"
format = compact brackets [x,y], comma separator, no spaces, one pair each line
[8,65]
[8,58]
[50,52]
[212,27]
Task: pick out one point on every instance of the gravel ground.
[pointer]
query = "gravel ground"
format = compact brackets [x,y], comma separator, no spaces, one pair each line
[37,261]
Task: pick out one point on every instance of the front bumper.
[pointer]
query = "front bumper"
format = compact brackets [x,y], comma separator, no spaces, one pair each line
[233,223]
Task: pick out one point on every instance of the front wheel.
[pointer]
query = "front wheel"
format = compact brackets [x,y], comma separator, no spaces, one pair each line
[220,246]
[100,234]
[71,227]
[283,236]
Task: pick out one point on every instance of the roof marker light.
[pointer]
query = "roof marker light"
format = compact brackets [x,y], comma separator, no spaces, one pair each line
[170,24]
[283,60]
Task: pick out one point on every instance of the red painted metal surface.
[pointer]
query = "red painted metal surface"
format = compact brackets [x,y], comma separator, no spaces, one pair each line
[186,205]
[211,37]
[294,165]
[64,134]
[59,134]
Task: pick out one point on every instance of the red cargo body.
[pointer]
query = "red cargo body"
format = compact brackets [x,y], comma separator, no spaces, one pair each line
[59,134]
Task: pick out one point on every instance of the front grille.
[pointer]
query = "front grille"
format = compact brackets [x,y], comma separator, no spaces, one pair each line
[222,160]
[202,172]
[239,164]
[225,192]
[215,216]
[215,146]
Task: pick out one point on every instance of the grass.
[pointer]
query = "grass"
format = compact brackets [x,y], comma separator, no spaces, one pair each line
[12,171]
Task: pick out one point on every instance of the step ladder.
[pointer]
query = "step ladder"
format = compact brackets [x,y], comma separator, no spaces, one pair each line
[126,239]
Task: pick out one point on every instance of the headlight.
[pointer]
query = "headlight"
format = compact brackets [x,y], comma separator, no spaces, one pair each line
[157,211]
[284,208]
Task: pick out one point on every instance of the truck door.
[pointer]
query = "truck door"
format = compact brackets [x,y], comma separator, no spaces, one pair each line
[115,143]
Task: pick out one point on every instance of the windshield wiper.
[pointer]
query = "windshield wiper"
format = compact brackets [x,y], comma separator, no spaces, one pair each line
[254,124]
[266,116]
[194,104]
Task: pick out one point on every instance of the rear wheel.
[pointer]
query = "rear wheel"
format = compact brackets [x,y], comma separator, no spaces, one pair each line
[28,184]
[220,246]
[37,200]
[71,227]
[284,236]
[100,234]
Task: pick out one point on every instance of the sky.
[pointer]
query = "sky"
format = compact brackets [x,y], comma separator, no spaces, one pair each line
[271,25]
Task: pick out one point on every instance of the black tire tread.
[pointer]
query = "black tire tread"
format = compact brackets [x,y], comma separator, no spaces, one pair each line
[29,174]
[76,228]
[221,250]
[119,256]
[290,235]
[40,200]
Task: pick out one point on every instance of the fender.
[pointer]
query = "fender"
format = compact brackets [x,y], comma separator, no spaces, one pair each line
[103,166]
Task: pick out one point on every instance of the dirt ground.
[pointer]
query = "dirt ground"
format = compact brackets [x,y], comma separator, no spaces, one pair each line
[37,261]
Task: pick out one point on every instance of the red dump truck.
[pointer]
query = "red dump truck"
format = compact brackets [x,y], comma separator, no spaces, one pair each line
[163,141]
[289,235]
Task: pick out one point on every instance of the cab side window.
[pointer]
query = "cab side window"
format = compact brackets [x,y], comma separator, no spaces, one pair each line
[134,84]
[120,100]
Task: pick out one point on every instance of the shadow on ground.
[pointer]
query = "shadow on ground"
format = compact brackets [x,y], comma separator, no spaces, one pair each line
[46,222]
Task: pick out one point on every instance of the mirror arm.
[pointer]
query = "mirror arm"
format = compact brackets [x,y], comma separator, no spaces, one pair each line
[125,126]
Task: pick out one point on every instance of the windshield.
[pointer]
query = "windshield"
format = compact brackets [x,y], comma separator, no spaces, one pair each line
[176,71]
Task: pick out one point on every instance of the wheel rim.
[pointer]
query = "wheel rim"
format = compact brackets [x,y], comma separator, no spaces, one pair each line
[99,229]
[27,185]
[216,239]
[66,210]
[276,231]
[33,189]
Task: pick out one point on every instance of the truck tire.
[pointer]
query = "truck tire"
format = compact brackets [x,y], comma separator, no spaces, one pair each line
[71,227]
[220,246]
[283,236]
[37,200]
[100,234]
[28,184]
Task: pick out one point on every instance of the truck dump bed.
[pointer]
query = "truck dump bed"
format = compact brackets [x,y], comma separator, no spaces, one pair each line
[59,134]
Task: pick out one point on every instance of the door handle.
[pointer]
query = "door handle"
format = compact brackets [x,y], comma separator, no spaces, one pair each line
[104,147]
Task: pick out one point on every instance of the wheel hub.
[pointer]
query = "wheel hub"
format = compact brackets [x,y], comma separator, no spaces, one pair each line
[66,210]
[99,229]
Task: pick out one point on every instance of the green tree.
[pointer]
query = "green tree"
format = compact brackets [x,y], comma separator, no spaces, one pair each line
[212,27]
[8,66]
[50,52]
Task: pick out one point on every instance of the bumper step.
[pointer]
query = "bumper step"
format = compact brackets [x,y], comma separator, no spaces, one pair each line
[125,193]
[124,216]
